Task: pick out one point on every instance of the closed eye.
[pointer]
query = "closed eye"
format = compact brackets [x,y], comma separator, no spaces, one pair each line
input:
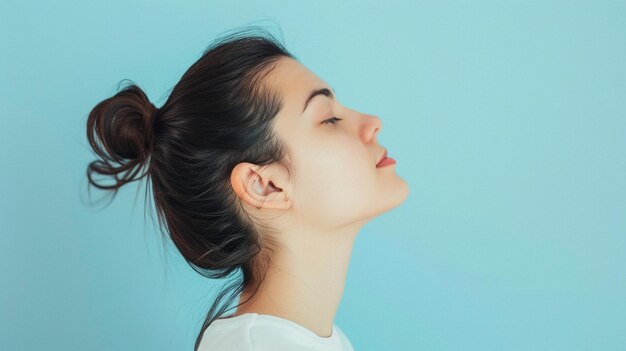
[332,120]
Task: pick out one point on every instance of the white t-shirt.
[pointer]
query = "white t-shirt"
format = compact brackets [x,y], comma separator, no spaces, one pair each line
[264,332]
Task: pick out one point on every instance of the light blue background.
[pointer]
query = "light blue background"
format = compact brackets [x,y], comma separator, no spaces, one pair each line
[507,119]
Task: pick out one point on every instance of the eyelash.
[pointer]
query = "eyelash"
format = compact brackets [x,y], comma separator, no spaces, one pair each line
[332,121]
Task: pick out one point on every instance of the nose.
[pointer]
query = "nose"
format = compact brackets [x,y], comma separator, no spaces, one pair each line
[371,127]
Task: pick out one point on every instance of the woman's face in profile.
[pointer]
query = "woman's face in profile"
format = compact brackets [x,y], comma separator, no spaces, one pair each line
[337,180]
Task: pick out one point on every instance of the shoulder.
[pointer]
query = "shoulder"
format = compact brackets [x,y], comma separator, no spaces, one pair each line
[222,335]
[248,333]
[346,345]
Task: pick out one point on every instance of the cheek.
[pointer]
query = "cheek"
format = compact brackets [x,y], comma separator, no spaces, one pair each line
[334,185]
[339,165]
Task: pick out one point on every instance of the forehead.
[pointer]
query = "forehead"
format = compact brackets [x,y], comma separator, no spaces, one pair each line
[294,82]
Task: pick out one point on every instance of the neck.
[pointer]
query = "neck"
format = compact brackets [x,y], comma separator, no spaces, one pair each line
[306,280]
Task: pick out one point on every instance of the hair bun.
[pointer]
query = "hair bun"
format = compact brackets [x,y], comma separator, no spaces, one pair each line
[123,126]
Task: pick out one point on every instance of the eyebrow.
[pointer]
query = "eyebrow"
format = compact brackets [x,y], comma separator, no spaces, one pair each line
[322,91]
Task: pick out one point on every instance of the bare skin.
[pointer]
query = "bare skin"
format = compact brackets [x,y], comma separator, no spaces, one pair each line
[335,191]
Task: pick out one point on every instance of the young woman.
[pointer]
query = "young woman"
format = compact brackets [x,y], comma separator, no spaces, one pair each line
[257,168]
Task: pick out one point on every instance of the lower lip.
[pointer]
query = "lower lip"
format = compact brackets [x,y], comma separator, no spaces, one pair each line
[388,161]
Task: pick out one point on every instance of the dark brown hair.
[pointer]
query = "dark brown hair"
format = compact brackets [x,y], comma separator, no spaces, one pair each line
[220,113]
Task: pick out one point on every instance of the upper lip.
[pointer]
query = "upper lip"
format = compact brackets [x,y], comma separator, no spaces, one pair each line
[382,157]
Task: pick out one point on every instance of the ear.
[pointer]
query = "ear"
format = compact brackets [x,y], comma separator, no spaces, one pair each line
[258,188]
